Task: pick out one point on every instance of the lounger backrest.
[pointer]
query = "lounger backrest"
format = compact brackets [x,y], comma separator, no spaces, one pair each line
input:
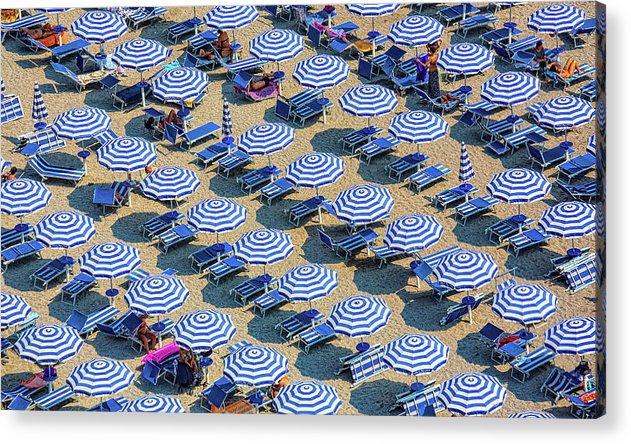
[171,133]
[10,109]
[314,35]
[326,240]
[151,372]
[77,320]
[217,397]
[282,109]
[131,322]
[501,51]
[364,68]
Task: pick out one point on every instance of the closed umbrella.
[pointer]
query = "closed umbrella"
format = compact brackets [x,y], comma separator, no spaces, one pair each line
[40,113]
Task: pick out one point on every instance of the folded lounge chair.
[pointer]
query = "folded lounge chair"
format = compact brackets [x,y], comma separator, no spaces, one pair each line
[177,235]
[427,176]
[81,283]
[20,252]
[230,265]
[201,259]
[52,270]
[527,239]
[366,365]
[524,366]
[307,208]
[582,276]
[46,170]
[86,324]
[473,207]
[580,35]
[40,141]
[313,336]
[576,166]
[290,328]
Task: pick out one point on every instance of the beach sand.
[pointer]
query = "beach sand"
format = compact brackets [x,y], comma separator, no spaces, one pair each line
[413,310]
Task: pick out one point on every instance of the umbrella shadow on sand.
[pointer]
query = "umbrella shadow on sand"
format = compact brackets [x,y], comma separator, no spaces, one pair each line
[322,361]
[219,296]
[369,398]
[379,281]
[125,227]
[223,187]
[262,329]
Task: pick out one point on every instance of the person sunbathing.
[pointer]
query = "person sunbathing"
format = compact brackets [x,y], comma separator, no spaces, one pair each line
[330,32]
[147,338]
[11,175]
[46,30]
[261,82]
[222,45]
[282,382]
[447,98]
[571,67]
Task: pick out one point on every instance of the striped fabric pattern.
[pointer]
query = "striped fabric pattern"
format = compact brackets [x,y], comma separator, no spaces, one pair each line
[466,172]
[532,415]
[110,260]
[13,309]
[217,215]
[372,10]
[40,113]
[231,17]
[140,54]
[99,26]
[363,204]
[100,377]
[156,295]
[413,233]
[315,170]
[569,219]
[368,101]
[126,154]
[3,88]
[321,71]
[53,10]
[466,270]
[416,30]
[255,366]
[170,183]
[591,145]
[81,123]
[466,58]
[359,316]
[574,336]
[4,164]
[525,303]
[266,138]
[263,247]
[564,113]
[204,330]
[154,404]
[416,354]
[277,45]
[519,185]
[180,84]
[418,127]
[48,345]
[307,398]
[65,229]
[23,196]
[307,282]
[472,394]
[510,88]
[556,18]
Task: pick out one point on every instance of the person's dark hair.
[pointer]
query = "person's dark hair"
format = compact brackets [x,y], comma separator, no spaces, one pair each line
[13,170]
[539,44]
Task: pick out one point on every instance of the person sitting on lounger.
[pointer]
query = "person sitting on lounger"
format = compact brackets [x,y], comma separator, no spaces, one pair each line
[171,118]
[571,67]
[46,30]
[222,45]
[11,175]
[282,382]
[187,374]
[261,82]
[146,336]
[540,56]
[330,32]
[584,373]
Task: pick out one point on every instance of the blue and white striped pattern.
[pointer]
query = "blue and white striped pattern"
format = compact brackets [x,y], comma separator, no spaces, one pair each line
[563,113]
[53,10]
[416,354]
[140,54]
[217,215]
[372,10]
[156,295]
[231,17]
[226,120]
[81,123]
[472,394]
[466,172]
[277,45]
[466,270]
[466,59]
[126,154]
[321,71]
[65,229]
[24,196]
[307,398]
[48,345]
[40,113]
[266,138]
[13,309]
[4,163]
[363,204]
[601,22]
[3,88]
[519,185]
[591,145]
[180,84]
[359,316]
[170,183]
[418,127]
[556,18]
[413,233]
[416,30]
[525,303]
[307,282]
[315,170]
[569,219]
[154,404]
[203,330]
[100,377]
[110,260]
[574,336]
[510,88]
[255,366]
[368,100]
[532,415]
[263,247]
[99,26]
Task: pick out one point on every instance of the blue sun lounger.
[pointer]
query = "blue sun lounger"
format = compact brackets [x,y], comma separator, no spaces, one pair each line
[307,207]
[177,235]
[177,30]
[41,141]
[443,107]
[495,129]
[527,239]
[581,409]
[50,271]
[385,254]
[285,106]
[585,191]
[311,109]
[202,39]
[459,311]
[523,367]
[580,35]
[545,158]
[350,246]
[576,166]
[159,224]
[559,383]
[475,22]
[451,196]
[14,236]
[145,15]
[524,44]
[473,207]
[46,170]
[586,73]
[30,21]
[276,190]
[377,147]
[80,81]
[110,405]
[268,301]
[588,91]
[365,366]
[58,397]
[421,403]
[58,52]
[200,133]
[234,68]
[290,328]
[81,283]
[201,259]
[212,153]
[424,267]
[254,179]
[8,395]
[427,176]
[233,161]
[20,252]
[153,371]
[505,228]
[114,196]
[20,403]
[581,276]
[320,334]
[10,109]
[124,327]
[405,164]
[253,287]
[229,266]
[217,394]
[361,136]
[86,324]
[457,12]
[499,35]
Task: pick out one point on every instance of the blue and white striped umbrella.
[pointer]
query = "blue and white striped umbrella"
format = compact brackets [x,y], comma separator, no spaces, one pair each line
[359,316]
[263,247]
[591,145]
[231,17]
[466,172]
[372,10]
[307,398]
[126,154]
[321,71]
[413,233]
[574,336]
[418,127]
[3,88]
[416,30]
[466,270]
[81,123]
[315,170]
[226,122]
[180,84]
[13,310]
[569,219]
[110,260]
[140,54]
[40,113]
[100,377]
[532,415]
[277,45]
[53,10]
[510,88]
[255,366]
[156,295]
[4,163]
[466,59]
[556,19]
[24,196]
[65,229]
[203,330]
[266,138]
[416,354]
[564,113]
[48,345]
[519,185]
[525,303]
[170,183]
[217,215]
[307,282]
[99,26]
[363,204]
[368,101]
[154,404]
[472,394]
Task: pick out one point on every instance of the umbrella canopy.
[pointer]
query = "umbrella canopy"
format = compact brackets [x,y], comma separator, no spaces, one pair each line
[24,196]
[307,398]
[180,84]
[525,303]
[564,113]
[466,172]
[315,170]
[99,27]
[65,229]
[255,366]
[418,127]
[466,270]
[48,345]
[519,185]
[277,45]
[226,122]
[532,415]
[100,377]
[510,88]
[231,17]
[3,88]
[13,310]
[266,138]
[4,163]
[156,295]
[81,123]
[569,219]
[413,233]
[574,336]
[416,354]
[170,183]
[203,330]
[154,404]
[263,247]
[126,154]
[140,54]
[368,100]
[363,204]
[416,30]
[110,260]
[40,113]
[359,316]
[307,282]
[591,145]
[372,10]
[321,71]
[466,59]
[556,19]
[217,215]
[471,394]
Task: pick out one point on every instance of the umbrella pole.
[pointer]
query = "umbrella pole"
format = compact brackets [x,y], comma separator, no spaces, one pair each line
[142,90]
[194,17]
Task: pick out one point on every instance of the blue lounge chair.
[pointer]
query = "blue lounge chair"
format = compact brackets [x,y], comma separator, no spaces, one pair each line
[405,164]
[166,369]
[14,235]
[580,35]
[86,324]
[376,63]
[234,68]
[588,91]
[475,22]
[253,287]
[499,35]
[8,395]
[349,246]
[10,109]
[200,133]
[459,311]
[111,405]
[401,75]
[145,15]
[254,179]
[490,335]
[129,97]
[443,107]
[59,52]
[80,81]
[114,197]
[525,136]
[58,397]
[233,161]
[585,191]
[228,266]
[40,142]
[201,259]
[20,403]
[559,383]
[361,136]
[580,408]
[524,366]
[424,267]
[527,239]
[29,21]
[212,153]
[313,336]
[79,284]
[473,207]
[576,166]
[494,129]
[366,366]
[180,29]
[177,235]
[201,40]
[377,147]
[581,276]
[524,44]
[311,109]
[124,327]
[451,196]
[457,12]
[296,101]
[46,170]
[505,228]
[586,73]
[282,12]
[307,208]
[268,301]
[50,271]
[423,402]
[276,190]
[290,328]
[385,254]
[217,394]
[20,252]
[159,224]
[427,176]
[545,158]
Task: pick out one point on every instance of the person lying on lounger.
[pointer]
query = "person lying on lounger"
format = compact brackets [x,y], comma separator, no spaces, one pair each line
[448,98]
[261,82]
[571,67]
[171,118]
[11,175]
[222,45]
[146,336]
[282,382]
[46,30]
[330,32]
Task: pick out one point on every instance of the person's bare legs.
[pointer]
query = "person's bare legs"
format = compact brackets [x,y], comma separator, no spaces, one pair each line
[153,339]
[145,343]
[206,54]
